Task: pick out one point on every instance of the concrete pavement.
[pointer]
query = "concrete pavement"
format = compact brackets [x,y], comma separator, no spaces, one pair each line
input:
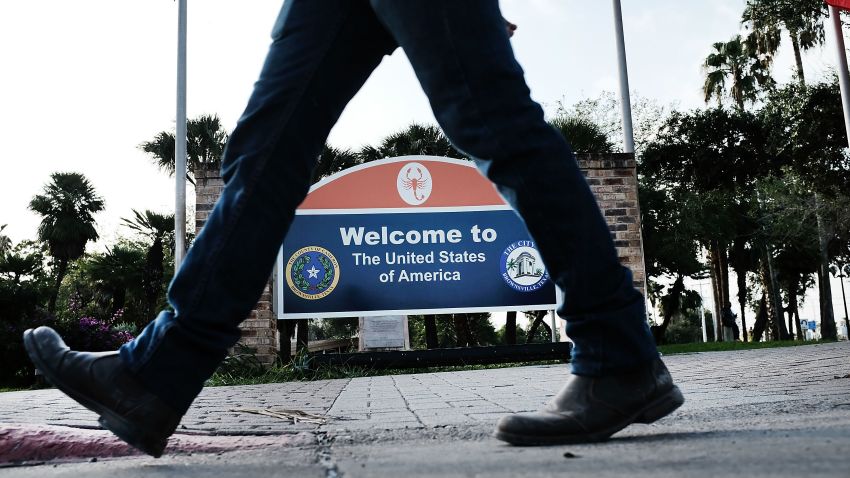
[770,412]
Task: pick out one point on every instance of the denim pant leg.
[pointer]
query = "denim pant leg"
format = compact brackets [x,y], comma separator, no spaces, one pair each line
[462,56]
[322,53]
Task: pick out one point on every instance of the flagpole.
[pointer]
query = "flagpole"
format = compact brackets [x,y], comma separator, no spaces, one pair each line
[626,109]
[180,139]
[625,99]
[843,78]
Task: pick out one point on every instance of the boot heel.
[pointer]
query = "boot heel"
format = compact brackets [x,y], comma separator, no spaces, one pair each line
[134,437]
[662,406]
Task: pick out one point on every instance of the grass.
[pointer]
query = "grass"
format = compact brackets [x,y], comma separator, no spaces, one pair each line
[244,369]
[725,346]
[293,372]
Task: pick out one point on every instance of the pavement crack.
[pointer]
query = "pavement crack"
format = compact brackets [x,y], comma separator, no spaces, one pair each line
[406,403]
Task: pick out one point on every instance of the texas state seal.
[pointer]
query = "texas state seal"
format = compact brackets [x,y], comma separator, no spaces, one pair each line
[312,272]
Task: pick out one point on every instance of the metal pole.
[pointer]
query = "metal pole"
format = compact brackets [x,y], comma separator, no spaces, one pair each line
[702,315]
[552,317]
[841,277]
[180,138]
[843,78]
[625,100]
[626,110]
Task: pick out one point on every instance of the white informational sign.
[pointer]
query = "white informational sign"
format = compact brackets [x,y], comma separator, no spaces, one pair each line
[384,332]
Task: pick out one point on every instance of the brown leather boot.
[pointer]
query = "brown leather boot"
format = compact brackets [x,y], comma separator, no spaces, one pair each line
[99,382]
[591,409]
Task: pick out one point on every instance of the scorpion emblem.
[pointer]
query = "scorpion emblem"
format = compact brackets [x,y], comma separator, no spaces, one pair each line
[415,184]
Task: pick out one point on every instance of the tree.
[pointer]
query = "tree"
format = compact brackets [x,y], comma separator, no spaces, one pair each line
[801,19]
[416,139]
[604,111]
[670,249]
[205,143]
[455,330]
[5,242]
[24,288]
[22,263]
[159,228]
[338,328]
[115,274]
[748,71]
[583,134]
[744,257]
[67,207]
[538,330]
[510,328]
[333,160]
[806,131]
[686,328]
[789,219]
[737,62]
[706,162]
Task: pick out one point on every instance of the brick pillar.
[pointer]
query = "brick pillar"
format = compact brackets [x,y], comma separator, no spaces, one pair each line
[613,180]
[259,330]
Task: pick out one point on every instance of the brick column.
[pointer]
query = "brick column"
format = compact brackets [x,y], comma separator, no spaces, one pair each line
[613,180]
[259,330]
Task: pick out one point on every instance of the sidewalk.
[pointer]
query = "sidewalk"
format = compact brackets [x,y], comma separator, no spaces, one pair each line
[769,412]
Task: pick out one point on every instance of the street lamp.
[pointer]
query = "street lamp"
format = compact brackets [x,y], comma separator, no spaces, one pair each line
[841,273]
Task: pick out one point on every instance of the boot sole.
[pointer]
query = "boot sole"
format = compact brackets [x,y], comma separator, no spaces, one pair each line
[651,412]
[129,432]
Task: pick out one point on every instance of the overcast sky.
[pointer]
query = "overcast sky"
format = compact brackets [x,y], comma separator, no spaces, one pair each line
[83,83]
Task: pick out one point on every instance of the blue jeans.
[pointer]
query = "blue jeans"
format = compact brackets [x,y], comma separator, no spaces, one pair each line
[322,53]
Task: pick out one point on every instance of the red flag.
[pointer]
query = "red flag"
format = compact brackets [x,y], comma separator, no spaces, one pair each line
[844,4]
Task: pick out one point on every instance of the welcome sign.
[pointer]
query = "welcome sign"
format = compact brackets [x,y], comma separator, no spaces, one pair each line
[408,235]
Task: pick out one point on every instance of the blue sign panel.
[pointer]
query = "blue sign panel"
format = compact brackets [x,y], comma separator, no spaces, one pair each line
[408,235]
[418,262]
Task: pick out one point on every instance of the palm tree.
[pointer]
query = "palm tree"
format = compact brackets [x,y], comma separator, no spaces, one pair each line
[160,229]
[802,19]
[416,139]
[116,272]
[584,135]
[333,160]
[18,265]
[205,142]
[737,62]
[67,207]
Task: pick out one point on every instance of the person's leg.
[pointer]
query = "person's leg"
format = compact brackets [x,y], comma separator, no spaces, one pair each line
[322,53]
[462,57]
